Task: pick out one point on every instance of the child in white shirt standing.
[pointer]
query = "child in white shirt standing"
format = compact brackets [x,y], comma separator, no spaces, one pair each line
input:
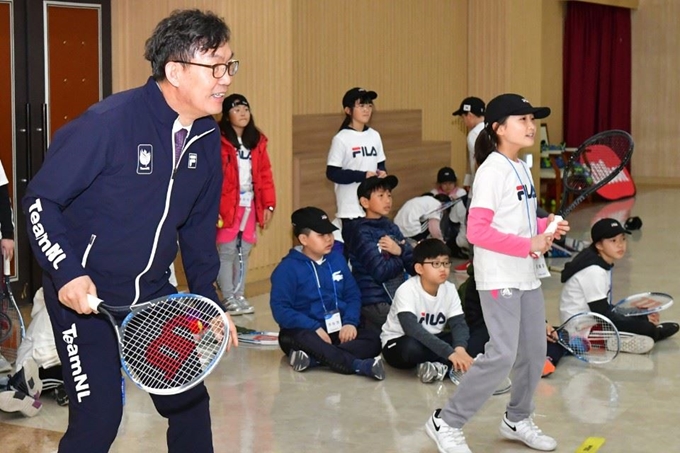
[356,154]
[508,263]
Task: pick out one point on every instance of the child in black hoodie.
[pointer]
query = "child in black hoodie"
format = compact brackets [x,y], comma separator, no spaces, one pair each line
[588,287]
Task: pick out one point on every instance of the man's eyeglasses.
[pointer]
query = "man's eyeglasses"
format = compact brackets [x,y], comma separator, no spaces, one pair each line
[219,69]
[438,264]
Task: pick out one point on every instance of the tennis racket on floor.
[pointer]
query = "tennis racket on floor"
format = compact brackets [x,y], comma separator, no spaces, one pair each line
[5,327]
[257,337]
[590,337]
[643,304]
[170,344]
[594,164]
[239,249]
[11,318]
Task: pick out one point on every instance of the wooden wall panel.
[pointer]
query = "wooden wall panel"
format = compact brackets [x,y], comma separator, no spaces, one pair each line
[262,41]
[504,52]
[656,110]
[412,53]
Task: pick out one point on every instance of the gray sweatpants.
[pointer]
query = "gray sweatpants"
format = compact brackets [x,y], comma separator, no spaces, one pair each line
[516,323]
[229,274]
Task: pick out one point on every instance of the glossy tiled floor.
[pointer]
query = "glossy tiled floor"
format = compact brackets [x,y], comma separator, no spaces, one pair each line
[260,405]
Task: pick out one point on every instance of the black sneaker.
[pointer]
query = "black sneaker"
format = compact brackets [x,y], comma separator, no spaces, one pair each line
[61,396]
[667,329]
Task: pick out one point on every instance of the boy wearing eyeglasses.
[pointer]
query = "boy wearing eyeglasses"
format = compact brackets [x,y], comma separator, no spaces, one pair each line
[413,335]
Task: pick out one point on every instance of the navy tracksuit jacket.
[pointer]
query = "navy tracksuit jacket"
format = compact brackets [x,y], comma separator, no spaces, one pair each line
[109,203]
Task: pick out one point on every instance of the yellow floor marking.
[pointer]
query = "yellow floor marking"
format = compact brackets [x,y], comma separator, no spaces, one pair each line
[591,445]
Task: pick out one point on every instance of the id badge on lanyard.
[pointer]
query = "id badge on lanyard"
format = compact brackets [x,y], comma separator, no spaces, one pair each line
[246,199]
[541,268]
[333,321]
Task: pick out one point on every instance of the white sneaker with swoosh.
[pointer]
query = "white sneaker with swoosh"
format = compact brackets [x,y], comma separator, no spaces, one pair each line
[526,431]
[447,438]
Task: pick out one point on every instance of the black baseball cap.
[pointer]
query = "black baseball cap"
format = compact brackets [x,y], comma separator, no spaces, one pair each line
[313,218]
[446,174]
[369,185]
[511,104]
[234,100]
[355,93]
[606,229]
[471,105]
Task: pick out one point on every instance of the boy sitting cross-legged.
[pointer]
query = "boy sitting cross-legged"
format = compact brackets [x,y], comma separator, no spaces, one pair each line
[423,306]
[378,252]
[316,303]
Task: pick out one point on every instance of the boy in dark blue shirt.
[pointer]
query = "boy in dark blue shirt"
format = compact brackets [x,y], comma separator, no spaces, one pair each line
[316,303]
[378,252]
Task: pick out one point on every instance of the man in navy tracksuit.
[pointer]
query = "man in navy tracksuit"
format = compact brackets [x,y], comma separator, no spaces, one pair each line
[120,186]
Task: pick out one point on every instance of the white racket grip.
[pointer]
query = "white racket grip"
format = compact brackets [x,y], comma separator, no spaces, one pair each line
[553,225]
[94,302]
[5,267]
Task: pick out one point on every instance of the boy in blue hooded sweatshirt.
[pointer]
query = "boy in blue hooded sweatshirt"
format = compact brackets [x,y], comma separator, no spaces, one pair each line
[316,303]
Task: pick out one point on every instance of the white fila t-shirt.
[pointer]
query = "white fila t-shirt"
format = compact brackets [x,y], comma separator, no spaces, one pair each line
[502,185]
[432,311]
[415,212]
[471,140]
[352,150]
[587,285]
[3,176]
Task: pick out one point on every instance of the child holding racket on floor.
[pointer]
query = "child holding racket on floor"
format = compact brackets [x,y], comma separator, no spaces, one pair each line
[356,154]
[248,198]
[508,263]
[316,303]
[588,287]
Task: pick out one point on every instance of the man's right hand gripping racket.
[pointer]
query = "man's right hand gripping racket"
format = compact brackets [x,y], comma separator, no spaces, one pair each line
[594,164]
[170,344]
[643,304]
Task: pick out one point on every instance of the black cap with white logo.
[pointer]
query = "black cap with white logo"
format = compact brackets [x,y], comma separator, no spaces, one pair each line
[357,93]
[313,218]
[511,104]
[471,105]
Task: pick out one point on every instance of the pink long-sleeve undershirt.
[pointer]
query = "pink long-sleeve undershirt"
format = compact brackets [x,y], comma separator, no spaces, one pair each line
[481,233]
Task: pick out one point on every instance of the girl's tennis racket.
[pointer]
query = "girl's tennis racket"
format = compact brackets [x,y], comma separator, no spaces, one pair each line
[170,344]
[643,304]
[591,337]
[594,164]
[239,248]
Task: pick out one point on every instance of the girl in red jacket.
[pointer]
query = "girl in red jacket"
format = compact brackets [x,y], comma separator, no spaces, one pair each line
[248,197]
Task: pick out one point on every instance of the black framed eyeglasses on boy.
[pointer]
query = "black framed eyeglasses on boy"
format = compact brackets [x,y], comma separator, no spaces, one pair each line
[219,69]
[438,264]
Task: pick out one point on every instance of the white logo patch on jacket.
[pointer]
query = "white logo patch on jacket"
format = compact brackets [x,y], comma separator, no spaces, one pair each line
[144,159]
[337,276]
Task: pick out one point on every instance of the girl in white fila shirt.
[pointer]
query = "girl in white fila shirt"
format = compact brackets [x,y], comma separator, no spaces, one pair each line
[508,263]
[356,154]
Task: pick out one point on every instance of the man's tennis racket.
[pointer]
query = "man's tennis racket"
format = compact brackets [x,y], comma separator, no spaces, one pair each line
[590,337]
[170,344]
[594,164]
[10,337]
[425,218]
[239,248]
[643,304]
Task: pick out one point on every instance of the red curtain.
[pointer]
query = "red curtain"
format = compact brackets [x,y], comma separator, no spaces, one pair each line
[597,70]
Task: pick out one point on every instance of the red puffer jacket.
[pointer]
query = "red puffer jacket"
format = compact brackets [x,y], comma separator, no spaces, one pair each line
[263,182]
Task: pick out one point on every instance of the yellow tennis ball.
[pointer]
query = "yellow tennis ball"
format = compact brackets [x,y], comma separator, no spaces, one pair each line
[220,222]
